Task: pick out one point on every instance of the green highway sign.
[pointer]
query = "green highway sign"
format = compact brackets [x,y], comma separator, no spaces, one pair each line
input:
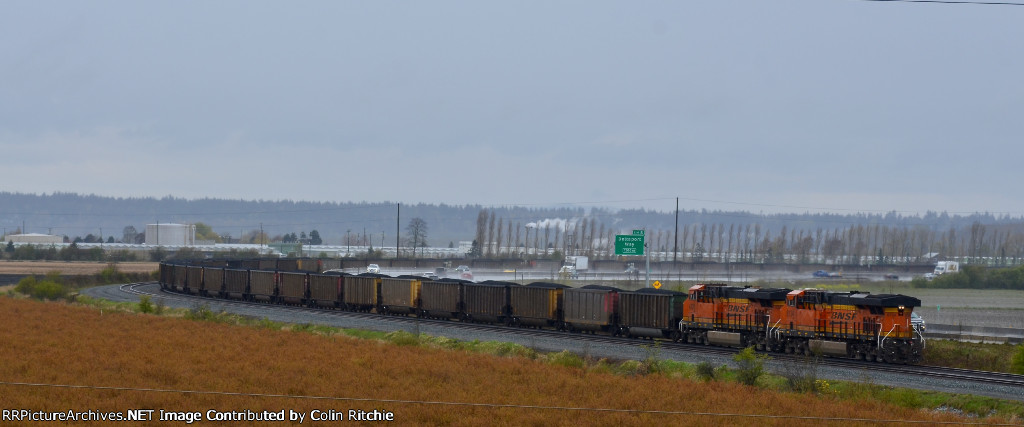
[630,244]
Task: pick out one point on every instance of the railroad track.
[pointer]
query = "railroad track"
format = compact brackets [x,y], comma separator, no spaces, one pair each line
[952,374]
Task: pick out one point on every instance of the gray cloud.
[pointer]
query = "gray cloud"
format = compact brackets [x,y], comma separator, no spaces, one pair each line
[842,105]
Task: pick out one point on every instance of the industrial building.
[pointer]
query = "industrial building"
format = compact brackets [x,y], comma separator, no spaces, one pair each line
[33,238]
[170,234]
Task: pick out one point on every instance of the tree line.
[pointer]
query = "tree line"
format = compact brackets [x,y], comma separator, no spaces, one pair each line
[858,244]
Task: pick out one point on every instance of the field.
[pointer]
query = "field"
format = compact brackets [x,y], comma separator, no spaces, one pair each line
[72,268]
[179,365]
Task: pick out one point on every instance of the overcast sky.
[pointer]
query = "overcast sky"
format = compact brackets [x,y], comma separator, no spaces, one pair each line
[761,105]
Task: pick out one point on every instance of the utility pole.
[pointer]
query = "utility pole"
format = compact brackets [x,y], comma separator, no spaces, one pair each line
[398,228]
[675,238]
[647,254]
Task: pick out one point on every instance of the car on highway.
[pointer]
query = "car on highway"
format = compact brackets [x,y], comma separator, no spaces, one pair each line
[823,273]
[891,276]
[632,271]
[462,268]
[917,322]
[373,268]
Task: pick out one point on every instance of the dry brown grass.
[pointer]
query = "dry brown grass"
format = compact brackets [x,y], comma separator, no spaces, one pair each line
[60,344]
[69,268]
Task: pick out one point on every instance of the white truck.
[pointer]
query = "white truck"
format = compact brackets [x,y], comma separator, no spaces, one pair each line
[573,266]
[946,267]
[579,262]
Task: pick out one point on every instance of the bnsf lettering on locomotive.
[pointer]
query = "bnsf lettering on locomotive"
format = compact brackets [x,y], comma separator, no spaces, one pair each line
[738,308]
[838,315]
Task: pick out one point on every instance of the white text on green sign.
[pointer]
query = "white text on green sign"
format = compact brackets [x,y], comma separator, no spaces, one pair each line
[627,244]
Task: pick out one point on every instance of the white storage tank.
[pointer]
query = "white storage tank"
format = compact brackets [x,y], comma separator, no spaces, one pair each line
[170,234]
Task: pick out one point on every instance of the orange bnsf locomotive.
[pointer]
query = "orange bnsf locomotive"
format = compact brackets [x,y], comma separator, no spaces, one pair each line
[842,324]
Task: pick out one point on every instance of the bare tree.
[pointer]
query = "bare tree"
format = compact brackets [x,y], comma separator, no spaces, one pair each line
[490,235]
[497,238]
[416,233]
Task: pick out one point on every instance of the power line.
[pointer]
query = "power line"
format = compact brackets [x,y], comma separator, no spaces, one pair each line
[986,3]
[488,405]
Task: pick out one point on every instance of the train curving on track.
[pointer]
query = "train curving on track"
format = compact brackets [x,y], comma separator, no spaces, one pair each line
[839,324]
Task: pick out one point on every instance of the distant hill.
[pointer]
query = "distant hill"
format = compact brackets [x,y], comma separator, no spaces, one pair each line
[78,215]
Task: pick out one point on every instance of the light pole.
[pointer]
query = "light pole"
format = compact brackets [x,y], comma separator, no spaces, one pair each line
[348,244]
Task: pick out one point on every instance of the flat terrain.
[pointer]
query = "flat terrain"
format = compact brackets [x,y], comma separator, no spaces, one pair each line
[134,356]
[73,268]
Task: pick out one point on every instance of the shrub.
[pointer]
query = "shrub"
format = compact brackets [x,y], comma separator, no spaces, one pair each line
[202,312]
[565,358]
[145,305]
[802,375]
[706,371]
[750,366]
[41,289]
[160,306]
[652,362]
[1017,364]
[403,338]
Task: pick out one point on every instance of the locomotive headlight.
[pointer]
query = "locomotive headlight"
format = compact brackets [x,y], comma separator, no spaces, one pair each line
[901,310]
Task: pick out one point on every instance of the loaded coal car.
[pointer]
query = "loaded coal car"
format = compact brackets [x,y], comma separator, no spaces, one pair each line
[592,308]
[400,295]
[362,292]
[287,264]
[651,313]
[215,263]
[262,286]
[236,283]
[329,264]
[195,279]
[292,288]
[166,276]
[538,304]
[442,299]
[243,264]
[325,290]
[308,265]
[180,277]
[487,302]
[213,282]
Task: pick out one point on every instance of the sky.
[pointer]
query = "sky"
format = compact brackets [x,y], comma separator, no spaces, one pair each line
[757,105]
